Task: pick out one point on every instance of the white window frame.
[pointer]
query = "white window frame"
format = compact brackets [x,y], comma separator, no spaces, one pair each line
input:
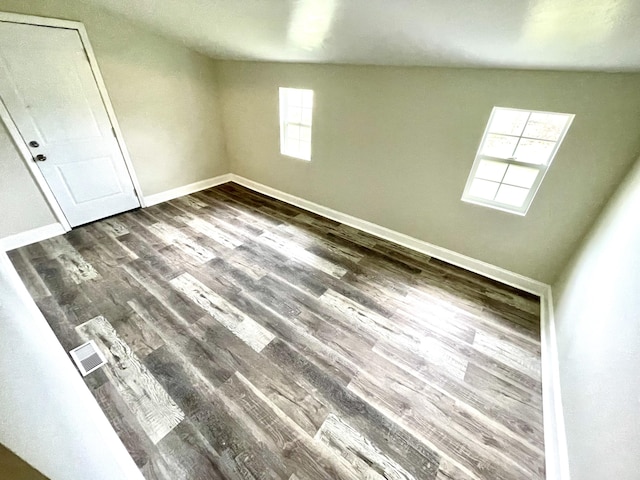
[543,168]
[284,122]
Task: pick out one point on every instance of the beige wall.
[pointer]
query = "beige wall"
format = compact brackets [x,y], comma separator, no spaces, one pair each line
[394,146]
[597,311]
[164,95]
[22,205]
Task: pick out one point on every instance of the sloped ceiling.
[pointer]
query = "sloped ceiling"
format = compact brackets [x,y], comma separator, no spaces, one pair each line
[600,35]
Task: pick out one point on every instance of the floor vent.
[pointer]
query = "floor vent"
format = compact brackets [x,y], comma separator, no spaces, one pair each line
[87,357]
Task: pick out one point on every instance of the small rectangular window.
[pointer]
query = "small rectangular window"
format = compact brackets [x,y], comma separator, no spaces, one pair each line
[514,155]
[296,115]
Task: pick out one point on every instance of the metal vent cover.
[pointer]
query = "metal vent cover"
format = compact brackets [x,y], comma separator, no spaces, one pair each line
[87,357]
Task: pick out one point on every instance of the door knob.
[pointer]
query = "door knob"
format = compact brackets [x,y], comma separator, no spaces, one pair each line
[34,144]
[40,158]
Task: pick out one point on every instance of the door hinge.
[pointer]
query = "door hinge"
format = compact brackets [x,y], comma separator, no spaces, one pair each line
[113,130]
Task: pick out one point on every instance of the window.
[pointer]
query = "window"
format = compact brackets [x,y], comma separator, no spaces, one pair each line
[514,155]
[296,113]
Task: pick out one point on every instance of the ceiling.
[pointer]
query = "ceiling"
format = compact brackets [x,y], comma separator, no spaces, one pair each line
[530,34]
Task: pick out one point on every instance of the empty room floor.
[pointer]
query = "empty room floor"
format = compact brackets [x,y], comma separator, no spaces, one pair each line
[249,339]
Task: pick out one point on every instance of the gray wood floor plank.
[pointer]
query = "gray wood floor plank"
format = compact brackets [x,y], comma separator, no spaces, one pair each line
[137,224]
[471,313]
[153,408]
[136,333]
[510,407]
[208,229]
[401,445]
[178,304]
[292,395]
[74,264]
[64,326]
[241,325]
[299,453]
[72,300]
[124,423]
[263,304]
[365,319]
[317,243]
[364,457]
[290,346]
[189,201]
[290,270]
[468,445]
[36,287]
[301,254]
[107,238]
[187,454]
[241,454]
[314,313]
[212,364]
[491,364]
[173,236]
[507,353]
[113,227]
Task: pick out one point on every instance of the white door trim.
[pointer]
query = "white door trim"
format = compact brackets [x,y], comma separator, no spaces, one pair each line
[20,142]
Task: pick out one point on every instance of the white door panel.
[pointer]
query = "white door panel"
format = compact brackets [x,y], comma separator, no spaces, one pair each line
[48,87]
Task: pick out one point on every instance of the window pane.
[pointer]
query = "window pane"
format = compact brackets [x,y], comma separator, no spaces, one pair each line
[483,189]
[546,126]
[293,131]
[509,122]
[305,134]
[490,170]
[305,150]
[499,146]
[307,98]
[294,97]
[294,115]
[521,176]
[515,152]
[537,152]
[306,116]
[513,196]
[291,147]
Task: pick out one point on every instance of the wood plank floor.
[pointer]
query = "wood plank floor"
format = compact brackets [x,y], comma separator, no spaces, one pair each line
[248,339]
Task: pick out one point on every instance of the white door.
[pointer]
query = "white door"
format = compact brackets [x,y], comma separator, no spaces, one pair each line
[48,87]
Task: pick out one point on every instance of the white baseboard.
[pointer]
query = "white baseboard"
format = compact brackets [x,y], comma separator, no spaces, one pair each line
[556,456]
[449,256]
[555,438]
[31,236]
[186,189]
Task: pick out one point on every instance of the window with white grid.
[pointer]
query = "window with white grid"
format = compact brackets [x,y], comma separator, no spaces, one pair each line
[296,115]
[516,150]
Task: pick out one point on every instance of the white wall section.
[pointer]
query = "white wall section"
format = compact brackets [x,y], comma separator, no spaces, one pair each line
[597,313]
[56,413]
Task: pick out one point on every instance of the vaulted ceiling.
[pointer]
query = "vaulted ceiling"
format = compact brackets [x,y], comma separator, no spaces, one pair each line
[530,34]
